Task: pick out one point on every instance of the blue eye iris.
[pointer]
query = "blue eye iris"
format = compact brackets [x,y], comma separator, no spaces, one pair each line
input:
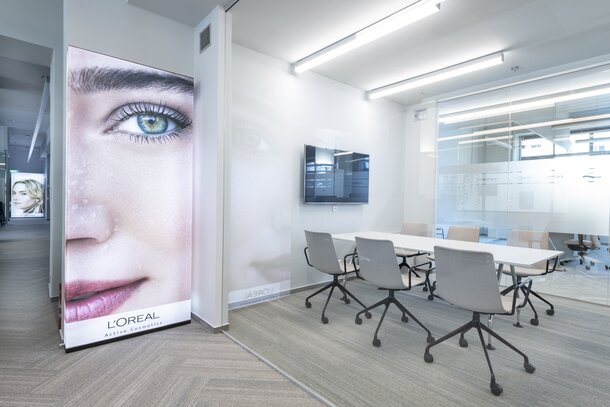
[152,124]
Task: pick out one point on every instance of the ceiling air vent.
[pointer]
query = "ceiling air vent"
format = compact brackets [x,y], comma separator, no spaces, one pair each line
[204,39]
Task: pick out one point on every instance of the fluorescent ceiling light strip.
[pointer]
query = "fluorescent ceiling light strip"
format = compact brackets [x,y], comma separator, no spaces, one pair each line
[541,124]
[439,75]
[483,140]
[521,106]
[455,137]
[393,22]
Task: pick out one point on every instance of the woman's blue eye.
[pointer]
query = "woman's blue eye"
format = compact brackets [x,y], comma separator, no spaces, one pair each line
[148,122]
[152,124]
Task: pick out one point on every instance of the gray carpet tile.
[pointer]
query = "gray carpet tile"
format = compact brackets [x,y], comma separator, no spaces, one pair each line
[571,351]
[183,366]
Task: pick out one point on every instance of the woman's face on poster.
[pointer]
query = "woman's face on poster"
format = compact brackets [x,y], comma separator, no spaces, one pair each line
[20,198]
[129,201]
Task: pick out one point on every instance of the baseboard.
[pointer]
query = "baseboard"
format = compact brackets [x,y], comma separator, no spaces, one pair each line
[280,294]
[207,326]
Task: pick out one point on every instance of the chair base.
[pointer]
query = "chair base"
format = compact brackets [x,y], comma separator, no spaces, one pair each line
[332,285]
[495,387]
[390,299]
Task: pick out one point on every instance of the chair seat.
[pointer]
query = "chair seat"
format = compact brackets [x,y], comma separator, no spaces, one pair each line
[415,281]
[350,267]
[406,253]
[525,271]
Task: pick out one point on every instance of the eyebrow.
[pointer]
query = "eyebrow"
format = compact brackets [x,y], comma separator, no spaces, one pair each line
[96,79]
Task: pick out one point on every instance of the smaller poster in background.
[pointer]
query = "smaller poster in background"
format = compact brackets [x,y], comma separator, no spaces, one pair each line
[27,195]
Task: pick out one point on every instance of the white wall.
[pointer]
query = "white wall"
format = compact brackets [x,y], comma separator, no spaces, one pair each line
[208,188]
[420,164]
[274,114]
[40,23]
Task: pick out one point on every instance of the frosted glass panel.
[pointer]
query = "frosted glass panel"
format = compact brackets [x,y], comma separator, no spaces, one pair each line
[534,156]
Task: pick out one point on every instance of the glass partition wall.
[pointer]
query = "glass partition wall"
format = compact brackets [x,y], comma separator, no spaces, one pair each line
[534,156]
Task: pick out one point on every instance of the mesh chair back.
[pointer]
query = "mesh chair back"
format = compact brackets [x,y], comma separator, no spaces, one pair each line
[467,279]
[464,233]
[415,229]
[378,265]
[322,252]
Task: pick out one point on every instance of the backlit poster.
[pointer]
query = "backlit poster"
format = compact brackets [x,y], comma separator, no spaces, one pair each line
[128,199]
[27,195]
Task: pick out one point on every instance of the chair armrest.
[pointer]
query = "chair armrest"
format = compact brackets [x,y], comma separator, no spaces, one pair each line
[354,258]
[548,263]
[306,251]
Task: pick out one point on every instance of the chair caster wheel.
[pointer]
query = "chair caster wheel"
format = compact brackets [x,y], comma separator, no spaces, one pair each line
[358,321]
[529,368]
[534,321]
[430,297]
[550,312]
[496,389]
[425,289]
[324,320]
[346,300]
[587,268]
[463,343]
[428,358]
[308,304]
[376,343]
[592,263]
[404,318]
[490,347]
[430,339]
[367,315]
[607,267]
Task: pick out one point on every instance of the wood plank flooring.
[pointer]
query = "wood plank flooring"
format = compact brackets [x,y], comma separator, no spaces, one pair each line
[184,366]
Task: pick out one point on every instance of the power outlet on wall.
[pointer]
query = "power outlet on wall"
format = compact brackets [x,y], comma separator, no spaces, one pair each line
[335,208]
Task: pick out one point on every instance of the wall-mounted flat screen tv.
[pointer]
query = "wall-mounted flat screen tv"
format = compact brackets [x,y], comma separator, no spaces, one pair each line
[335,176]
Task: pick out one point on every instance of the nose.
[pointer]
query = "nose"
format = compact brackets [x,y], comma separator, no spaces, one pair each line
[88,222]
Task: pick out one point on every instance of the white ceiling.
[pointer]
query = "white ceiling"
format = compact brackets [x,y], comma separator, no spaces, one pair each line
[535,35]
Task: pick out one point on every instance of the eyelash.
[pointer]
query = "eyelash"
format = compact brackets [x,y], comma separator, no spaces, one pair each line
[130,110]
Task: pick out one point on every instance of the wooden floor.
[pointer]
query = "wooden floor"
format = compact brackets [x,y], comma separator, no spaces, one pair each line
[571,351]
[184,366]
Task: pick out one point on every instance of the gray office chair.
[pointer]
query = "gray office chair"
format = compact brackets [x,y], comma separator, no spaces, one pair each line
[582,246]
[320,254]
[535,240]
[467,279]
[454,232]
[378,266]
[414,229]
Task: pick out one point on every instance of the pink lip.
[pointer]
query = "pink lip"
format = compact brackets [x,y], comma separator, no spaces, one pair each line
[93,299]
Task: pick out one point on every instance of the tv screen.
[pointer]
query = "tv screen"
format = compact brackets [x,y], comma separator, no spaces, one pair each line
[335,176]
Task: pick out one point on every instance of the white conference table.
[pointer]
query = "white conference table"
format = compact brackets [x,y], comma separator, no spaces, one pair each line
[504,255]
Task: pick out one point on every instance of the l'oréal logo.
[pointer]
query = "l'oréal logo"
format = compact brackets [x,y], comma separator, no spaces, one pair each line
[119,322]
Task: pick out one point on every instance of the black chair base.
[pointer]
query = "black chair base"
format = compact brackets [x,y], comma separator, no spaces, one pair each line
[414,269]
[390,299]
[495,387]
[332,285]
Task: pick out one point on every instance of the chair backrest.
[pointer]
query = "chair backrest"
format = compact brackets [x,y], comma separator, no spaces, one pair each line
[322,254]
[464,233]
[378,265]
[415,229]
[468,280]
[529,238]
